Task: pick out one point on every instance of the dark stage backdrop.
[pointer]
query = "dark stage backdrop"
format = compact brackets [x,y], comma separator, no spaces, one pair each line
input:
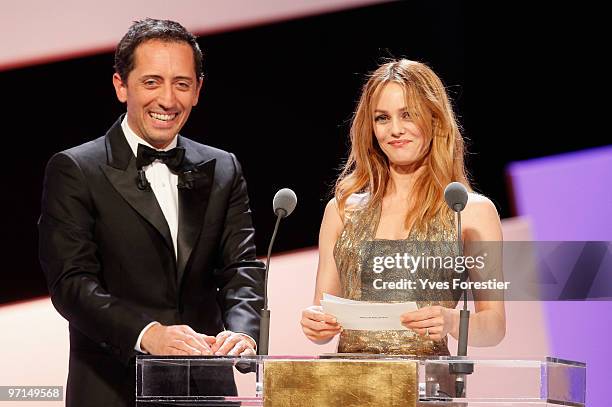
[280,97]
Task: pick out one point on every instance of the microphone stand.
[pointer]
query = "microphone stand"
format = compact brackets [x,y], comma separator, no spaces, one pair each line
[465,368]
[264,323]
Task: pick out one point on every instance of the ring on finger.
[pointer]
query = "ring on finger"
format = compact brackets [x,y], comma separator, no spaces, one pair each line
[427,331]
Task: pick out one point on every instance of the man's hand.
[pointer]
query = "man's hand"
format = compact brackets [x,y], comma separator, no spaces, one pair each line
[233,344]
[175,340]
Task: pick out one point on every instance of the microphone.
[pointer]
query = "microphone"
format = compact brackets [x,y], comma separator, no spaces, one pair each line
[456,197]
[284,203]
[142,181]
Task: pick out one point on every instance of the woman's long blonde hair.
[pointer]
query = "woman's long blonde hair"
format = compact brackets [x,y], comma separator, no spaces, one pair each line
[367,167]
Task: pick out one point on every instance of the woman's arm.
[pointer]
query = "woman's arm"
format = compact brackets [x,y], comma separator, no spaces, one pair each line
[480,223]
[317,326]
[328,280]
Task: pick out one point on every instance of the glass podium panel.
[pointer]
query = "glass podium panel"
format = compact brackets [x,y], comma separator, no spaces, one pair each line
[239,381]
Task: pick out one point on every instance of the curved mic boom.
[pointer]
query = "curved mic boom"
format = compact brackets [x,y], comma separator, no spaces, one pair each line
[284,203]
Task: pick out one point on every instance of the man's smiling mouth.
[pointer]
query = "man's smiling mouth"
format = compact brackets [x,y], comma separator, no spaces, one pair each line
[163,117]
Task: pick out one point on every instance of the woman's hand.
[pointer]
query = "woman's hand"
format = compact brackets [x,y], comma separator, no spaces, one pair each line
[434,322]
[318,326]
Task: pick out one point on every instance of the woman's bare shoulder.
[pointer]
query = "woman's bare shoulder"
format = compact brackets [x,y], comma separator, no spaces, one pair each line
[479,203]
[357,201]
[480,218]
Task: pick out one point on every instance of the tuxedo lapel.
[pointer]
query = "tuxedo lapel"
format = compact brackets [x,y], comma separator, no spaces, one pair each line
[194,187]
[122,174]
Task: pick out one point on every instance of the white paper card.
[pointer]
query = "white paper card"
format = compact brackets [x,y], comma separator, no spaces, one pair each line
[367,316]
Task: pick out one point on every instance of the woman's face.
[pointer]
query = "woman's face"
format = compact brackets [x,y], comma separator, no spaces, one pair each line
[398,136]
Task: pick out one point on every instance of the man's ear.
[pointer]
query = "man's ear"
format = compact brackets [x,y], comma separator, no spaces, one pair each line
[198,89]
[120,88]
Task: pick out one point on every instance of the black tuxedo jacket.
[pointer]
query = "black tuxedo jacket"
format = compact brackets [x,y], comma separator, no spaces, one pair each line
[108,257]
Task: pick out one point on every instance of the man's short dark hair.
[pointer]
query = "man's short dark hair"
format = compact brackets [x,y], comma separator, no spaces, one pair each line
[151,29]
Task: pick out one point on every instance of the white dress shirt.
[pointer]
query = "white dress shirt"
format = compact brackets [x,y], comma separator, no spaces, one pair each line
[164,185]
[163,181]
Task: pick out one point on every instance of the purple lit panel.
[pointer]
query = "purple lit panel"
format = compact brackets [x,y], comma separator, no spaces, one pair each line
[568,197]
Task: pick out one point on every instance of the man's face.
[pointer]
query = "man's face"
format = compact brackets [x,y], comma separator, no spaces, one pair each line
[160,91]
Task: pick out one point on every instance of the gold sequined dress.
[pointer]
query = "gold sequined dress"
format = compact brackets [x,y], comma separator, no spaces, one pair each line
[355,245]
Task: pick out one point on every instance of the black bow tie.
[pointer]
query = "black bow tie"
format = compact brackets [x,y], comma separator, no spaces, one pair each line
[172,158]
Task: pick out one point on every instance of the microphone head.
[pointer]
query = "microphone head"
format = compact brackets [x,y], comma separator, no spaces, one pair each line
[284,202]
[456,196]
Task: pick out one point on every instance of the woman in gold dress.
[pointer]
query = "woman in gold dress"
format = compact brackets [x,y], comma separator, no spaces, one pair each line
[406,147]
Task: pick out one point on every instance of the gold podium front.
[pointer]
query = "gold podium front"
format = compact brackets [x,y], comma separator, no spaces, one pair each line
[341,380]
[331,382]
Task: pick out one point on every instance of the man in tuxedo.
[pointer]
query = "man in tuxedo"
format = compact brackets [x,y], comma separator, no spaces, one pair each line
[146,238]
